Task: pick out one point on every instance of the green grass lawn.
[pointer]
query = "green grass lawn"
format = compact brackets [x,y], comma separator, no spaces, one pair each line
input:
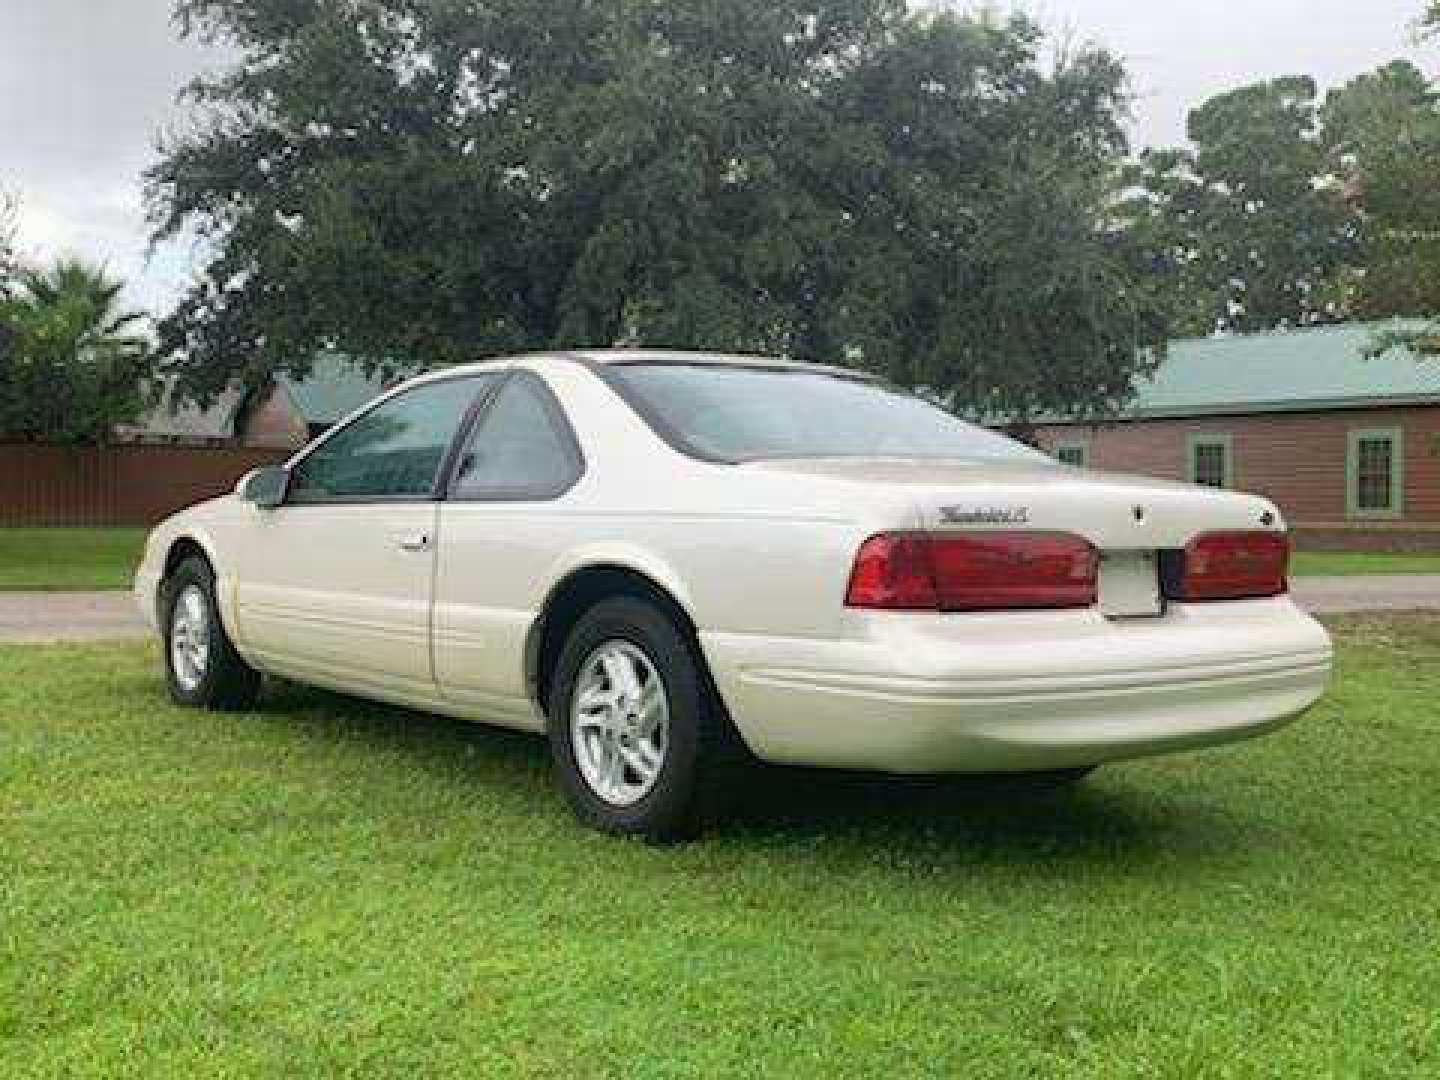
[325,888]
[68,560]
[1349,563]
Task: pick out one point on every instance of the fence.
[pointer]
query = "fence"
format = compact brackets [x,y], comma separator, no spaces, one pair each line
[115,485]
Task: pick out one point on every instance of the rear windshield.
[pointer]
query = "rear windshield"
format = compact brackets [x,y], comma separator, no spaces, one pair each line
[729,413]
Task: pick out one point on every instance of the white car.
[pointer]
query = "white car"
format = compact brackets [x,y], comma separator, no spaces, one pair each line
[672,563]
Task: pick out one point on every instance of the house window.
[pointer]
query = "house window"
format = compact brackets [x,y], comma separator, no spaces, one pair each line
[1210,460]
[1375,473]
[1073,453]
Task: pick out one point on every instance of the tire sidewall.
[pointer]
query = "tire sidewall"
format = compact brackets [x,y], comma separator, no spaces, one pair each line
[668,808]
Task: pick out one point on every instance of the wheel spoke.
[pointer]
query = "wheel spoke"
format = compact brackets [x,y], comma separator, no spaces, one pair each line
[642,761]
[653,711]
[593,763]
[597,723]
[593,700]
[620,670]
[614,768]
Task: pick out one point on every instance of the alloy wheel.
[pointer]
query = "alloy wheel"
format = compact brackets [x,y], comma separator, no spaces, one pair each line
[190,638]
[619,722]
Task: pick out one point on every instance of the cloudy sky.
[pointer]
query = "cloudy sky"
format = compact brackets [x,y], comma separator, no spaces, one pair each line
[85,86]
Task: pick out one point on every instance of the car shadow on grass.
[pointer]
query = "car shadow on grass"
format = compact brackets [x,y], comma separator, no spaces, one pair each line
[1109,816]
[1006,819]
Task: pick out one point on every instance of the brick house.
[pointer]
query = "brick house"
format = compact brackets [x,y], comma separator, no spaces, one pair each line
[1348,447]
[284,415]
[290,412]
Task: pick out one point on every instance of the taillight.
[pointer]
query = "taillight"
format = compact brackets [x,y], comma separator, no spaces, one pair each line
[917,571]
[1235,566]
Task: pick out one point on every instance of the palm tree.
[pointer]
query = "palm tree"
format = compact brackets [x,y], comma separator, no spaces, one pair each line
[75,362]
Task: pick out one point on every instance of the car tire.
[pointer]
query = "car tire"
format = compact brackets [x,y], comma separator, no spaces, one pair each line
[662,790]
[202,668]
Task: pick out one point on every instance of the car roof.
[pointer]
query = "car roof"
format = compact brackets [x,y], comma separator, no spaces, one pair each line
[621,357]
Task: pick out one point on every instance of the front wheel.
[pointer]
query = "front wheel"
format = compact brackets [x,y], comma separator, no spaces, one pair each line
[640,739]
[202,668]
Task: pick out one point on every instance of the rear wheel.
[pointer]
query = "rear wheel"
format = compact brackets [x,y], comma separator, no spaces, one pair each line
[202,668]
[641,742]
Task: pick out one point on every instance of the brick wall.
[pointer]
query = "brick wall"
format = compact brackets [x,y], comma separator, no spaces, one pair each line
[1296,459]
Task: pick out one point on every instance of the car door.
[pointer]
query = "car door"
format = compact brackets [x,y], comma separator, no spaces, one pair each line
[335,583]
[502,525]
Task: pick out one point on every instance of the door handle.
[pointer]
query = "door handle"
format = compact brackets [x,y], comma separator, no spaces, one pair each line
[414,542]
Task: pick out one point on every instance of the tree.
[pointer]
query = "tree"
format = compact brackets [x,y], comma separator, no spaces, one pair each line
[74,367]
[925,194]
[1383,133]
[1254,238]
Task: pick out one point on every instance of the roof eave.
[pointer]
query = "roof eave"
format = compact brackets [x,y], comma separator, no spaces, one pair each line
[1254,408]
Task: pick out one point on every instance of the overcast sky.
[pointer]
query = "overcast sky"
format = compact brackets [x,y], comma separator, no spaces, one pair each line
[85,85]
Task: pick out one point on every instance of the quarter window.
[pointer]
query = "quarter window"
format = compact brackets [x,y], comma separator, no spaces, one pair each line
[393,452]
[522,448]
[1375,473]
[1210,462]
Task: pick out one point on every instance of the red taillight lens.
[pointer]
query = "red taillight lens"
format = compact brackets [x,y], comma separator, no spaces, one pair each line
[973,571]
[1235,566]
[894,571]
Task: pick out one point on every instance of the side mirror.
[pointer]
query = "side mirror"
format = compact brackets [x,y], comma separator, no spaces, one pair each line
[264,487]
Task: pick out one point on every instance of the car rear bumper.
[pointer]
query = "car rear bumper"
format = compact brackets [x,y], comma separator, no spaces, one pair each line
[916,693]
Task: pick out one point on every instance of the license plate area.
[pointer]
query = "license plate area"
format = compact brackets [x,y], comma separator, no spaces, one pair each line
[1130,585]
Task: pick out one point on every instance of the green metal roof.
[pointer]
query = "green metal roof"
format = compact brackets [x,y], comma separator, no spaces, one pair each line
[1287,371]
[336,386]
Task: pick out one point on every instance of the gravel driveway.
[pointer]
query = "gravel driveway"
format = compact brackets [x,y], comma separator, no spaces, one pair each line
[97,616]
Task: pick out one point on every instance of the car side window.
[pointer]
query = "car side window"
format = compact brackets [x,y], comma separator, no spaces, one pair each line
[393,452]
[522,449]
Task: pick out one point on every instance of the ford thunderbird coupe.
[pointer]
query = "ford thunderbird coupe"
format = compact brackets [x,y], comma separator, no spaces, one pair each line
[674,564]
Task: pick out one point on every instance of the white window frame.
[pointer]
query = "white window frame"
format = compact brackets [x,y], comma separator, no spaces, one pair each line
[1227,455]
[1396,438]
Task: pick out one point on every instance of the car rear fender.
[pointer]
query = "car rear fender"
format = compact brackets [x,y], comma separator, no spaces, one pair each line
[625,558]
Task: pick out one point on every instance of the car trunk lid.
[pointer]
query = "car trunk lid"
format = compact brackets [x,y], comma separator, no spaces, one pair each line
[1111,510]
[1132,521]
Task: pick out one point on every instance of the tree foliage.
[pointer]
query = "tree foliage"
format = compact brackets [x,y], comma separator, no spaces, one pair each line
[842,180]
[1383,132]
[1252,236]
[74,366]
